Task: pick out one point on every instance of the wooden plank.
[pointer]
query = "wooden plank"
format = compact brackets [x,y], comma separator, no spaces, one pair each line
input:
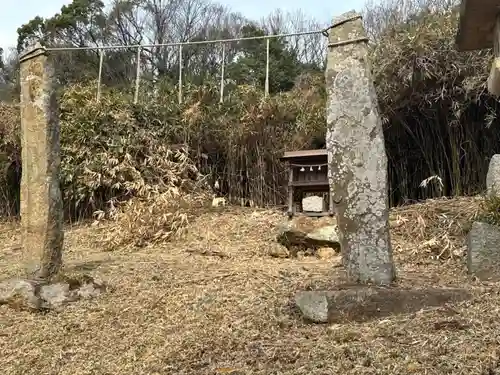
[316,214]
[476,25]
[313,214]
[312,184]
[304,153]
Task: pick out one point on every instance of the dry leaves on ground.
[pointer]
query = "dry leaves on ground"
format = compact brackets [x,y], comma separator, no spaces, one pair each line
[180,308]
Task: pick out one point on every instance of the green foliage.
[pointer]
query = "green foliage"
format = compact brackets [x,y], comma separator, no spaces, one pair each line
[79,12]
[490,210]
[86,14]
[250,67]
[34,30]
[114,150]
[438,118]
[10,159]
[86,23]
[2,61]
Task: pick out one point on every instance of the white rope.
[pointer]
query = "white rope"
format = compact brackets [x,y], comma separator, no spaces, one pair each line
[214,41]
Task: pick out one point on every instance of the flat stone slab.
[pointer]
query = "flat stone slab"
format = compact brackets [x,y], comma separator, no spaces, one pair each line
[477,21]
[363,303]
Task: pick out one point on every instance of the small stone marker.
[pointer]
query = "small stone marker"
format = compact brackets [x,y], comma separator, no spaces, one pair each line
[360,303]
[313,203]
[483,251]
[41,200]
[493,176]
[357,156]
[483,239]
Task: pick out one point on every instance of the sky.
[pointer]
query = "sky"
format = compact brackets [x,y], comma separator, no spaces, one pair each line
[17,12]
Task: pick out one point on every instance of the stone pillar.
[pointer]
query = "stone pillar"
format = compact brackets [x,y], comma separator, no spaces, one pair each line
[356,155]
[493,177]
[41,200]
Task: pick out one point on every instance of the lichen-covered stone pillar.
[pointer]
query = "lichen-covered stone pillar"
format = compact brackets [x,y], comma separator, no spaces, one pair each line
[41,200]
[356,155]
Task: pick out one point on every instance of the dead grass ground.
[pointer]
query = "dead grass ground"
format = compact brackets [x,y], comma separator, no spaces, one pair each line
[215,302]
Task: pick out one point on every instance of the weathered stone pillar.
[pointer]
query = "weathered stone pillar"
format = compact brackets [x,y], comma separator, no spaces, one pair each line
[493,177]
[357,156]
[41,200]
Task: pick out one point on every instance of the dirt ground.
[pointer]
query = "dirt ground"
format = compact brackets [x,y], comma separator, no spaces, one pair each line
[215,302]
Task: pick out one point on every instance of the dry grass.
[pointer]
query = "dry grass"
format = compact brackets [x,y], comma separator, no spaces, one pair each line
[214,302]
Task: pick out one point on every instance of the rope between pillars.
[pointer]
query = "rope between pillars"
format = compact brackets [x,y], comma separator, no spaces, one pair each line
[213,41]
[309,165]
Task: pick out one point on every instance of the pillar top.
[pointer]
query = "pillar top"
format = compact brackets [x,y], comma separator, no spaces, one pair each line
[350,15]
[32,51]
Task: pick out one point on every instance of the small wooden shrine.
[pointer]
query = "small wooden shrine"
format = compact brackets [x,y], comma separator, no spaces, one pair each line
[307,173]
[479,28]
